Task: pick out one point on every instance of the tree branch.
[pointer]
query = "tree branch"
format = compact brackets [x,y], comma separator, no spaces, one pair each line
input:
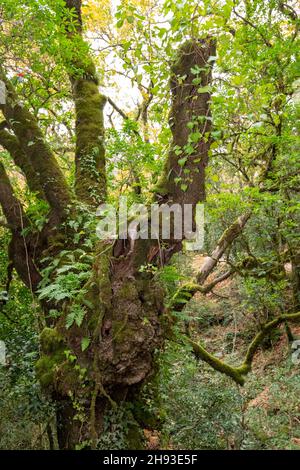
[39,154]
[184,294]
[249,23]
[12,145]
[116,108]
[230,234]
[90,173]
[183,179]
[10,204]
[238,373]
[19,248]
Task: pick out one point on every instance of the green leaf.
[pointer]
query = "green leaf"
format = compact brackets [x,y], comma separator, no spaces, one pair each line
[204,89]
[76,315]
[85,342]
[182,161]
[214,178]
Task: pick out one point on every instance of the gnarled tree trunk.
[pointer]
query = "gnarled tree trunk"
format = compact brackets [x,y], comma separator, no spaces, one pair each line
[125,318]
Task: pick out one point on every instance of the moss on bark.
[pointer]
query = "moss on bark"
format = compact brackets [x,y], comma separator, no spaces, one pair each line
[12,145]
[90,185]
[39,154]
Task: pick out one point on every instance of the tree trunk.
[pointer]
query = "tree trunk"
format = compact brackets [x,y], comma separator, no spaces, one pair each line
[125,319]
[98,366]
[126,322]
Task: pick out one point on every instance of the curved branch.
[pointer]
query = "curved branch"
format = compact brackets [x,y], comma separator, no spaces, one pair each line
[184,294]
[292,14]
[12,145]
[9,203]
[230,234]
[256,28]
[116,108]
[19,248]
[209,287]
[238,373]
[201,353]
[32,142]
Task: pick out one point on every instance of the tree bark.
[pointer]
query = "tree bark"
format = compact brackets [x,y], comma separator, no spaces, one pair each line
[21,248]
[125,319]
[223,244]
[32,142]
[90,176]
[12,145]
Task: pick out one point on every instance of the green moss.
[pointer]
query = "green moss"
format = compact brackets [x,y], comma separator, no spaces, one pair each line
[236,373]
[39,154]
[128,291]
[55,372]
[100,292]
[69,378]
[122,331]
[162,186]
[50,340]
[90,153]
[45,371]
[13,146]
[52,346]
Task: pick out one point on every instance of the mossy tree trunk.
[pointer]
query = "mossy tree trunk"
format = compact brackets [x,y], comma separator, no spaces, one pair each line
[125,318]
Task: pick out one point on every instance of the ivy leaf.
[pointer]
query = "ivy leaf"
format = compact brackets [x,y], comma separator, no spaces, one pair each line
[184,187]
[182,161]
